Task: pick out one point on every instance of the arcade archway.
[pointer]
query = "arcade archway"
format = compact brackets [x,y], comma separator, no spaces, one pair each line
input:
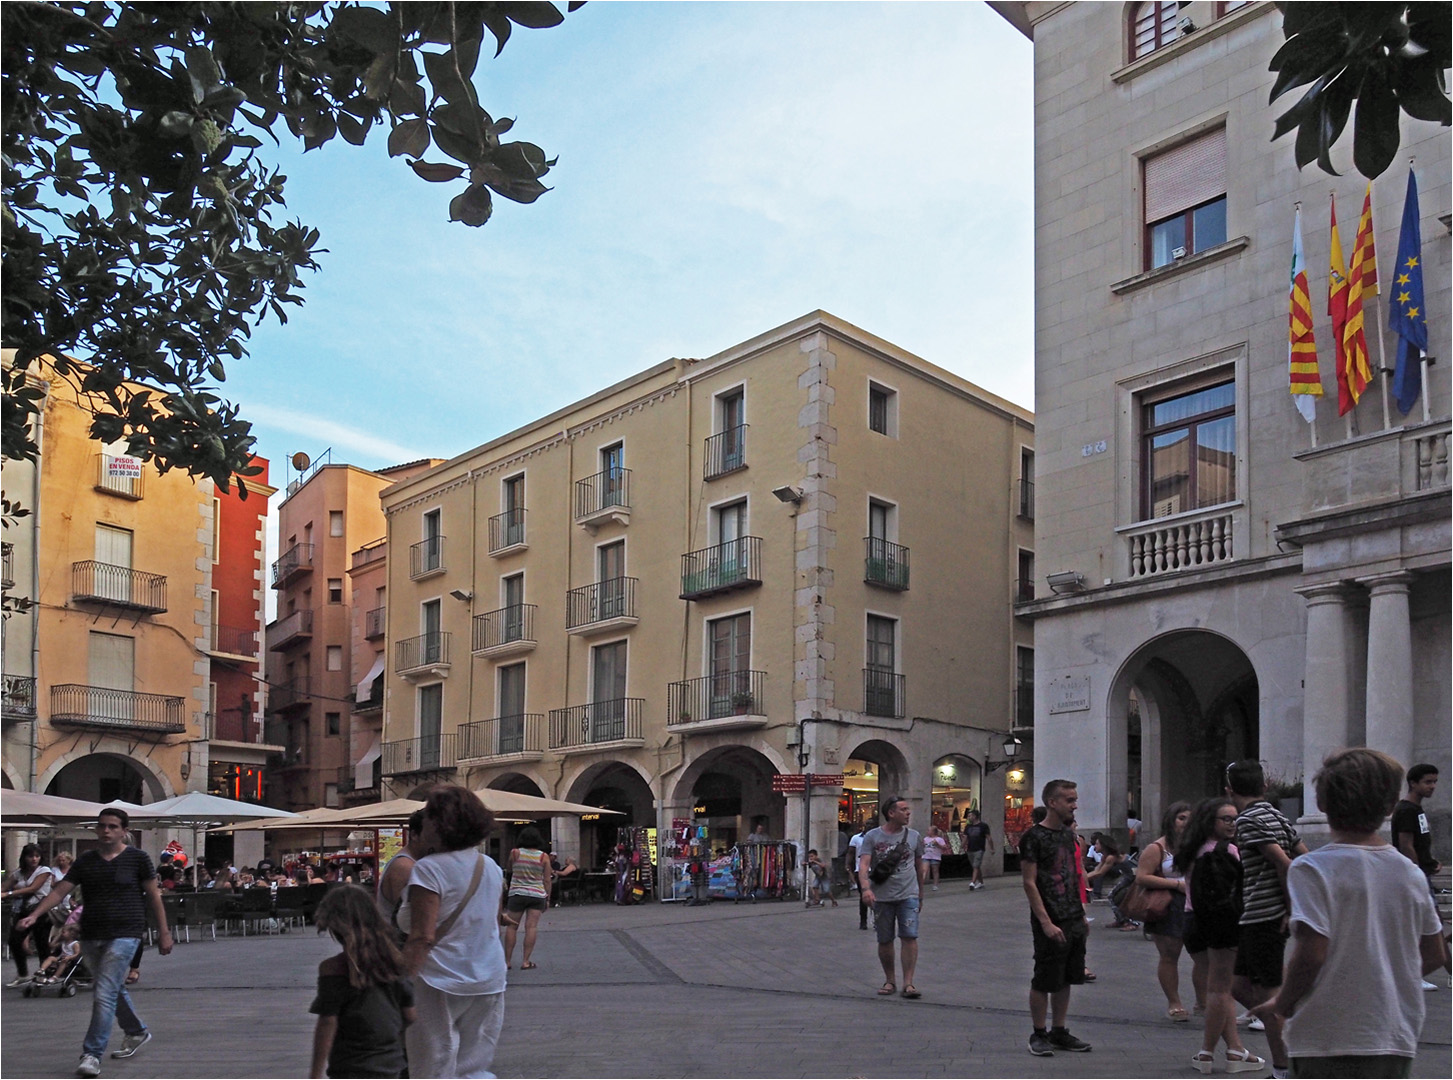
[729,791]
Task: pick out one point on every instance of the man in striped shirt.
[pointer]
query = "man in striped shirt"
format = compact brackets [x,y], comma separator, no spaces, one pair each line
[1268,843]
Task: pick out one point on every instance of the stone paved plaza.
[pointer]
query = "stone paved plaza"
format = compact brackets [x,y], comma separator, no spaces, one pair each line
[662,990]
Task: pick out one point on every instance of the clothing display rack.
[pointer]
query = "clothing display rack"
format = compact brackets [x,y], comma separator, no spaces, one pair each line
[765,871]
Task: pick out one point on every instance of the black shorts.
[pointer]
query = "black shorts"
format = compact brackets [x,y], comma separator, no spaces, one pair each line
[1262,947]
[516,904]
[1203,933]
[1059,964]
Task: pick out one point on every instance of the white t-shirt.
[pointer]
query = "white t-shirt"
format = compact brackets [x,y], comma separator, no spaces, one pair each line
[1373,907]
[469,959]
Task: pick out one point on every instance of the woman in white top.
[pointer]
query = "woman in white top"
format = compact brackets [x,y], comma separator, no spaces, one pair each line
[1156,870]
[453,948]
[25,888]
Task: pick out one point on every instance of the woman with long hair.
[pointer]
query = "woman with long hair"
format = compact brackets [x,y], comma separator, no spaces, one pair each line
[1156,870]
[364,1001]
[529,894]
[455,904]
[1211,864]
[26,887]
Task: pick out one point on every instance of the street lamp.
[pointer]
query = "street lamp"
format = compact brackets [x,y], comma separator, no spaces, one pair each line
[1012,746]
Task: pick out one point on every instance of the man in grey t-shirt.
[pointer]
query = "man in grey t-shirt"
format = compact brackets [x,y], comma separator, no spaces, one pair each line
[895,902]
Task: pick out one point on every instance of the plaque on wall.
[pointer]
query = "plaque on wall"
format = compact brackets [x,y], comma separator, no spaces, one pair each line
[1069,694]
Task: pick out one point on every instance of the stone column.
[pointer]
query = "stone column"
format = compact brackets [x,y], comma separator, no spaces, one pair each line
[1390,666]
[1326,708]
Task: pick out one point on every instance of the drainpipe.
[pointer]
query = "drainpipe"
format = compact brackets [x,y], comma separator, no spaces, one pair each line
[35,587]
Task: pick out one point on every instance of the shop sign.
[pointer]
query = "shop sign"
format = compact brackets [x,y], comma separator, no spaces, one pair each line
[1069,695]
[789,783]
[827,780]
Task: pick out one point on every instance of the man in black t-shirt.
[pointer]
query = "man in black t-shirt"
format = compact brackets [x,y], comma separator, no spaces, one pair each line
[117,882]
[1410,832]
[977,836]
[1050,868]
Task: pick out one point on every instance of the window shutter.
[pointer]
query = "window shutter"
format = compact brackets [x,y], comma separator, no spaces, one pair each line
[1188,175]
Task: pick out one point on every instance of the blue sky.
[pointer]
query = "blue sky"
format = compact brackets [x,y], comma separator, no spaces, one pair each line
[723,168]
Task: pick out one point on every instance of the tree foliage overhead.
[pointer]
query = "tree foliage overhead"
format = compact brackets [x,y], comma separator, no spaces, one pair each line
[1388,58]
[141,222]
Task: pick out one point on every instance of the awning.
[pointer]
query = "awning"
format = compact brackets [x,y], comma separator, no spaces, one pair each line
[365,688]
[363,771]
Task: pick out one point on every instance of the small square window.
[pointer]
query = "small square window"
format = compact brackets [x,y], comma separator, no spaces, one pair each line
[335,723]
[335,522]
[335,590]
[883,410]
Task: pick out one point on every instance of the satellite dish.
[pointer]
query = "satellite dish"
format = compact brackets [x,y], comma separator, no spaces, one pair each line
[301,461]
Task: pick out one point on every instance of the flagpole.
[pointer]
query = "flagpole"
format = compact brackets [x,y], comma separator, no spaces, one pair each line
[1347,416]
[1382,367]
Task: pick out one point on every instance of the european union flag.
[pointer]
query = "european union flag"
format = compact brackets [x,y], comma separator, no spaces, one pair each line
[1406,314]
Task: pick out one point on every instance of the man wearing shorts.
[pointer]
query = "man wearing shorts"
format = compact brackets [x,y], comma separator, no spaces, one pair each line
[976,836]
[895,901]
[1268,843]
[1049,867]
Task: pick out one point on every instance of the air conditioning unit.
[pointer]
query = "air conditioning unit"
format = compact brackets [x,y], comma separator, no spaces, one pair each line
[1178,253]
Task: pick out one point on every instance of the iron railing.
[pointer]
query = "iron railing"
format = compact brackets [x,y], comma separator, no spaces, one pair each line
[886,563]
[278,732]
[18,702]
[599,722]
[736,564]
[375,623]
[424,754]
[292,629]
[297,560]
[426,557]
[421,651]
[373,702]
[288,695]
[348,778]
[883,693]
[7,566]
[1023,588]
[613,598]
[1026,498]
[126,487]
[523,733]
[726,452]
[603,491]
[234,640]
[118,586]
[504,626]
[73,705]
[233,725]
[507,529]
[728,693]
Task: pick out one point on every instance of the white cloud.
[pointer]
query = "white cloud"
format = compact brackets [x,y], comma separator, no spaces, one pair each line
[321,432]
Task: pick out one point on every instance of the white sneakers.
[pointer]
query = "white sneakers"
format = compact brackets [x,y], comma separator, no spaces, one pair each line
[90,1065]
[131,1044]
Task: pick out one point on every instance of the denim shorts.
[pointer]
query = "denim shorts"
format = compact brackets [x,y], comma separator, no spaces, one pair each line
[903,913]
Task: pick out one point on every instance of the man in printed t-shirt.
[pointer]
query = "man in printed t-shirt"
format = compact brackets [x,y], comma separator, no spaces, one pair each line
[1050,869]
[896,901]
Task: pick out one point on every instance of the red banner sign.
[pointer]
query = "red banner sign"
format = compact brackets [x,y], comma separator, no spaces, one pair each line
[827,780]
[789,783]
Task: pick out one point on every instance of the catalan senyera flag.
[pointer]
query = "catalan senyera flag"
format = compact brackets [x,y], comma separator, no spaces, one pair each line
[1337,309]
[1355,370]
[1306,383]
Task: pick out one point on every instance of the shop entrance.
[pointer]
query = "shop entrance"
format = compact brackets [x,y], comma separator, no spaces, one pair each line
[729,790]
[957,781]
[612,785]
[874,770]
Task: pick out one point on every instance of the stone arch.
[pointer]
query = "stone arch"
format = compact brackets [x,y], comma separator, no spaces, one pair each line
[156,785]
[734,782]
[614,784]
[520,782]
[892,775]
[10,777]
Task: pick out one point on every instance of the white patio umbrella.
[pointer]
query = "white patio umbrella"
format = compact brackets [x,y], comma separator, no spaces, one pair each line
[21,809]
[196,809]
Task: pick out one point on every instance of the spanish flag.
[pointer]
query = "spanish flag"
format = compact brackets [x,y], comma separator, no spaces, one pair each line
[1306,383]
[1354,371]
[1337,309]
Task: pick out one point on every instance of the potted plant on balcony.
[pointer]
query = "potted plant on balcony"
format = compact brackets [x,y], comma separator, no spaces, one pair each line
[684,716]
[743,702]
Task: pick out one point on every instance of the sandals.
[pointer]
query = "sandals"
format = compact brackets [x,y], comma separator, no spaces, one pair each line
[1245,1061]
[1203,1061]
[528,965]
[911,991]
[1178,1015]
[133,977]
[887,989]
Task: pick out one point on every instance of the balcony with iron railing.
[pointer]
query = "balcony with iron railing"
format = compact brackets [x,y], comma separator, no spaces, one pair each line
[118,586]
[614,721]
[507,532]
[885,564]
[294,628]
[18,701]
[726,452]
[293,564]
[504,632]
[606,605]
[104,709]
[428,753]
[128,487]
[426,558]
[427,653]
[519,737]
[1023,589]
[371,704]
[348,779]
[293,750]
[883,693]
[235,726]
[375,623]
[736,564]
[606,496]
[728,699]
[7,566]
[1026,498]
[293,693]
[237,642]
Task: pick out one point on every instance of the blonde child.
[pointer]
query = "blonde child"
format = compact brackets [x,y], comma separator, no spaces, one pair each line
[364,1000]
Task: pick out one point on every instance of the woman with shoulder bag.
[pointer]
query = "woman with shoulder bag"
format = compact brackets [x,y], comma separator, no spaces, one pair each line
[455,905]
[1157,874]
[26,888]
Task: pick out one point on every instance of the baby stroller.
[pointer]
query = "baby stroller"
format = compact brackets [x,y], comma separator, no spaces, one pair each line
[63,980]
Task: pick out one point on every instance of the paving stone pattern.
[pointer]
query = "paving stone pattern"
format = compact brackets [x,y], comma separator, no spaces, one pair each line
[663,990]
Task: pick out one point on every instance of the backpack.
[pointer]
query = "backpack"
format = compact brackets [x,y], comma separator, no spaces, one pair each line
[1216,884]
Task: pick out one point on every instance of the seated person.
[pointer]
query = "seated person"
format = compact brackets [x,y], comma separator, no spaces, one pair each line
[59,964]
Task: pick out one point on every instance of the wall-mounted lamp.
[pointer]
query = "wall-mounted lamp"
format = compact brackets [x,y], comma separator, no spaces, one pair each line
[462,595]
[1066,581]
[1186,26]
[788,494]
[1012,746]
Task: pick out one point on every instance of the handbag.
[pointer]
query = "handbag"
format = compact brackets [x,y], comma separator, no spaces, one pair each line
[886,865]
[1145,905]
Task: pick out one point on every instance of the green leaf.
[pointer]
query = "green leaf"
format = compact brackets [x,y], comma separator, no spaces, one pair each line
[407,98]
[352,130]
[1375,129]
[369,27]
[472,207]
[176,124]
[537,16]
[410,138]
[436,172]
[203,72]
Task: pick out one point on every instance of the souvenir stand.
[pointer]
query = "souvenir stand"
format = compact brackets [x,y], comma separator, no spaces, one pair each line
[765,871]
[687,870]
[632,864]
